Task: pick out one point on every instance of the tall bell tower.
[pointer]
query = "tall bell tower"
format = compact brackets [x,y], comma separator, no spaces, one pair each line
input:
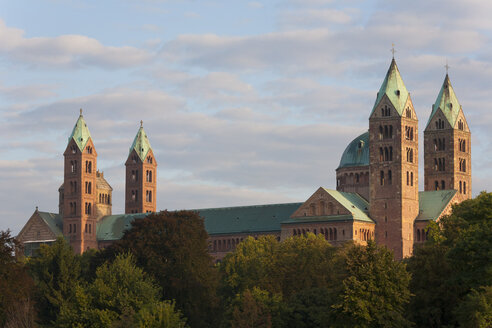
[140,189]
[79,222]
[393,165]
[447,145]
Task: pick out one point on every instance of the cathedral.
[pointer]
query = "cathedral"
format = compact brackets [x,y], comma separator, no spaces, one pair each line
[376,194]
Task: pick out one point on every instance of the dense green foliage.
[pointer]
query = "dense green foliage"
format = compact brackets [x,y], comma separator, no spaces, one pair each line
[172,247]
[453,270]
[161,275]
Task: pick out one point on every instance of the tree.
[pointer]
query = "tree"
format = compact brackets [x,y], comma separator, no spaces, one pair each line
[476,310]
[172,247]
[453,265]
[16,286]
[311,308]
[56,273]
[257,308]
[121,295]
[375,290]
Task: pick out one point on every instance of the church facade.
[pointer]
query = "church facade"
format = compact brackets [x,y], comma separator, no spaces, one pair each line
[376,196]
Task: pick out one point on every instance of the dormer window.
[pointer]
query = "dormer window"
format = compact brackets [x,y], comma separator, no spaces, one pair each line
[149,159]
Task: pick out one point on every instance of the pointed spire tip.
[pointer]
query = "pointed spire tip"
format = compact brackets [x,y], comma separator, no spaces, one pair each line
[81,112]
[141,123]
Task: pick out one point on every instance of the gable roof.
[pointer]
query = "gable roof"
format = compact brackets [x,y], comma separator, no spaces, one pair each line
[352,202]
[433,203]
[447,102]
[80,133]
[394,88]
[141,144]
[53,221]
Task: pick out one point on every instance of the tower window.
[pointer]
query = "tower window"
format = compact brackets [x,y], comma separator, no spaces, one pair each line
[149,176]
[462,165]
[73,149]
[411,178]
[149,159]
[408,132]
[134,159]
[461,187]
[443,185]
[381,178]
[389,177]
[386,111]
[88,166]
[464,187]
[461,126]
[89,150]
[148,196]
[380,132]
[409,155]
[436,185]
[381,154]
[408,113]
[439,124]
[408,178]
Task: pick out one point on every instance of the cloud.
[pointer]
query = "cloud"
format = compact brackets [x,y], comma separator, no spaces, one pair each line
[69,51]
[27,92]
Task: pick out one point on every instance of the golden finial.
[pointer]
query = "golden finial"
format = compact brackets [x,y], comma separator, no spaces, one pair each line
[393,50]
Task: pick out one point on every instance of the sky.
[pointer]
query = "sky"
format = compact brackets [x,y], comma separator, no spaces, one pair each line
[244,102]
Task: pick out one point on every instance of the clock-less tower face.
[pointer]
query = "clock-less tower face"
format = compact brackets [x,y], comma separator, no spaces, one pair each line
[447,145]
[79,199]
[140,188]
[393,165]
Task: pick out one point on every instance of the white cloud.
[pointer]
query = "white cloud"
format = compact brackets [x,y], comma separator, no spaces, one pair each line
[66,51]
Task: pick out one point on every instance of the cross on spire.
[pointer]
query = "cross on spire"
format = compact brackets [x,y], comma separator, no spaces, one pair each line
[447,67]
[393,50]
[81,112]
[141,123]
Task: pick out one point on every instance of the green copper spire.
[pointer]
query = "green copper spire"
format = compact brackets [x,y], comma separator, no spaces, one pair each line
[80,133]
[447,102]
[394,88]
[141,143]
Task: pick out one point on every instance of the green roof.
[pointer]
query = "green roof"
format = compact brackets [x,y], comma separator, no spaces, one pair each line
[141,144]
[354,203]
[80,133]
[112,227]
[394,88]
[357,152]
[247,219]
[53,221]
[432,203]
[447,102]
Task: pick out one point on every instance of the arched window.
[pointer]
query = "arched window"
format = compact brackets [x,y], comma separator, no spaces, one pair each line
[464,187]
[391,131]
[443,185]
[70,227]
[436,165]
[322,207]
[435,145]
[390,177]
[436,185]
[331,234]
[390,153]
[73,148]
[380,132]
[312,208]
[330,208]
[75,228]
[381,178]
[461,126]
[411,178]
[418,234]
[335,233]
[408,178]
[357,178]
[408,113]
[386,154]
[461,187]
[386,132]
[149,159]
[381,154]
[134,160]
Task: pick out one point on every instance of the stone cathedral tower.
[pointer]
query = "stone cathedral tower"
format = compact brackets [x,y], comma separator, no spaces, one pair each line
[447,152]
[79,197]
[140,190]
[393,165]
